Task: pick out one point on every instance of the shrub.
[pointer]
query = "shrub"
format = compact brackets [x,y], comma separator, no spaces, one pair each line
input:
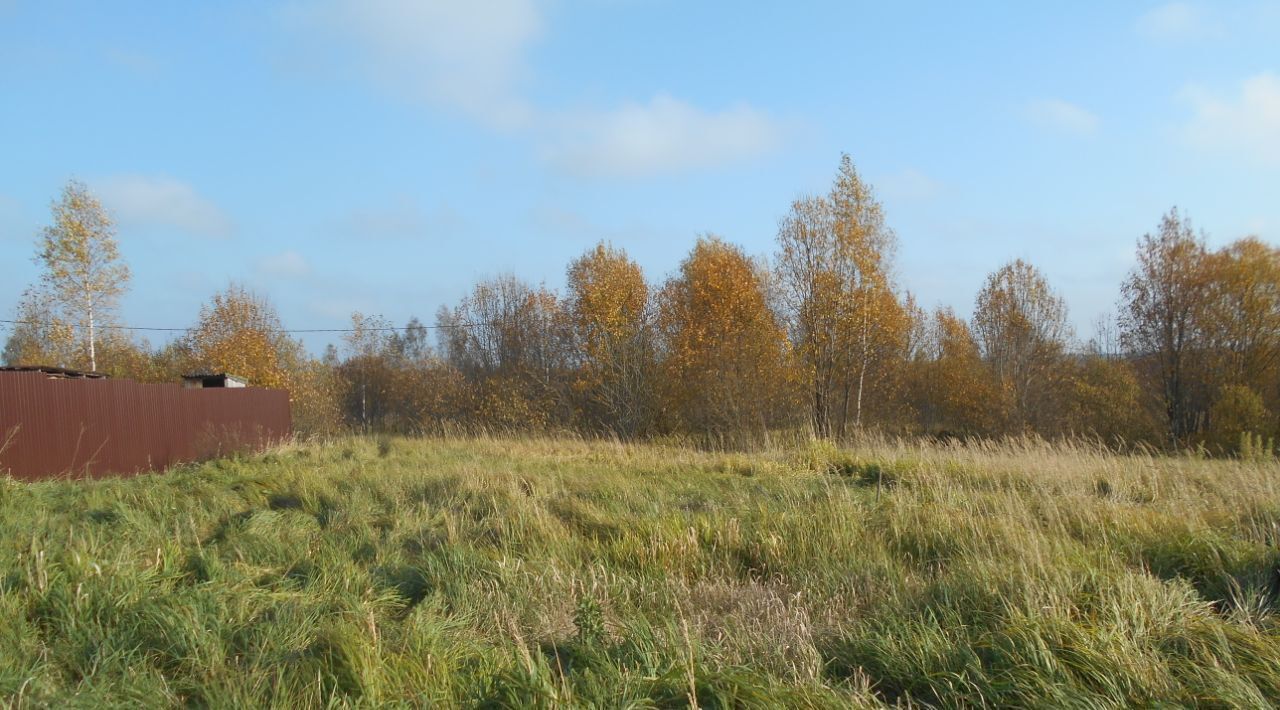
[1237,421]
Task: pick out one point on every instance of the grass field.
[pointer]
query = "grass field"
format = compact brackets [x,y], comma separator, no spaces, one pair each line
[546,572]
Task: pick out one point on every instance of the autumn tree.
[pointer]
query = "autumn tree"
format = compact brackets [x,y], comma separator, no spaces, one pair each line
[80,285]
[1022,330]
[726,359]
[951,390]
[1161,302]
[1104,399]
[412,343]
[240,333]
[368,371]
[315,397]
[607,303]
[40,336]
[1239,317]
[833,266]
[511,341]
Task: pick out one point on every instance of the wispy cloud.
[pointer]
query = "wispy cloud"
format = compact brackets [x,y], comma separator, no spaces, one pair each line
[1061,116]
[339,308]
[1245,123]
[1258,226]
[286,265]
[472,58]
[149,201]
[662,136]
[909,185]
[400,218]
[1180,22]
[465,56]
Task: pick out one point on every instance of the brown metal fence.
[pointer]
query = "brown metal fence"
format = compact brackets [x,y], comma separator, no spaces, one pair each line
[52,427]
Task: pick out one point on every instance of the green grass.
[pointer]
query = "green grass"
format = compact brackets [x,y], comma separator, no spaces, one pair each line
[544,572]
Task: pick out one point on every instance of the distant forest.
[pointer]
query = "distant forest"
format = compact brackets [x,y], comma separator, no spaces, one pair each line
[819,337]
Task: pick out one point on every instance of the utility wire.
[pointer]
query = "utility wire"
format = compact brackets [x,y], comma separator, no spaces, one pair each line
[269,330]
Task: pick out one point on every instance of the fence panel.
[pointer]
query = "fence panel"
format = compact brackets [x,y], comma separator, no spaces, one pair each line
[52,426]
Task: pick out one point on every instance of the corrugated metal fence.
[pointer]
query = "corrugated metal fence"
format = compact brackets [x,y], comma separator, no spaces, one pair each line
[52,427]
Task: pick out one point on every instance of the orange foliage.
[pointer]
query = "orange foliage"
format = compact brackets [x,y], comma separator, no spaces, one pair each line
[240,333]
[608,309]
[727,364]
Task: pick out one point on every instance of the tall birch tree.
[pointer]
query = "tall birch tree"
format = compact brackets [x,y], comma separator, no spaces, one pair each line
[83,277]
[1022,328]
[834,267]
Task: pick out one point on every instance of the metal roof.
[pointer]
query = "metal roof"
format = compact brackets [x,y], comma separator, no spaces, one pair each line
[56,372]
[215,376]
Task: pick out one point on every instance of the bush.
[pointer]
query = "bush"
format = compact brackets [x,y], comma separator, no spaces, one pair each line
[1237,422]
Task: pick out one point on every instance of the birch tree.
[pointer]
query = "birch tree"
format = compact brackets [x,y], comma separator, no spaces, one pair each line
[41,336]
[1022,328]
[726,357]
[367,371]
[833,265]
[951,391]
[83,277]
[510,340]
[240,333]
[608,309]
[1240,316]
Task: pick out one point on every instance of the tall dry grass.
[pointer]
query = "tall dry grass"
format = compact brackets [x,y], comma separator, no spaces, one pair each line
[563,572]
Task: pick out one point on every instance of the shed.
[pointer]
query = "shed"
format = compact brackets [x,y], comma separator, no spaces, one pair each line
[207,380]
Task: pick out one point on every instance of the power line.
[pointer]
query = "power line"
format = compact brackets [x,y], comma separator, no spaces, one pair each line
[379,329]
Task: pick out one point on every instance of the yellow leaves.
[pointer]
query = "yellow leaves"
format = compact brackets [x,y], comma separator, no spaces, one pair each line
[1202,320]
[240,333]
[834,254]
[725,363]
[607,307]
[1022,327]
[82,277]
[1239,314]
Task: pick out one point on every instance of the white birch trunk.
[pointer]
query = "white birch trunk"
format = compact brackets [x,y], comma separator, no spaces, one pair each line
[93,351]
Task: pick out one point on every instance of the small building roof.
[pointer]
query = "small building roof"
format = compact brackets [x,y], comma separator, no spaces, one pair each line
[215,379]
[56,372]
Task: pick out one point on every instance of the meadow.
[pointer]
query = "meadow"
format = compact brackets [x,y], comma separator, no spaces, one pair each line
[557,572]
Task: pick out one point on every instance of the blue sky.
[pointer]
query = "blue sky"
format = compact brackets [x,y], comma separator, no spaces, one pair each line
[382,155]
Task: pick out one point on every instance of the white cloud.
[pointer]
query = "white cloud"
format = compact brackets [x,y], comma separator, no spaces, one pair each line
[467,56]
[1179,22]
[472,58]
[286,264]
[1246,124]
[665,135]
[402,218]
[1257,226]
[909,185]
[162,202]
[339,309]
[1062,116]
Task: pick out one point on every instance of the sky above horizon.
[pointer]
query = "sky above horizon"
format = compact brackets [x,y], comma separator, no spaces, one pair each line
[384,155]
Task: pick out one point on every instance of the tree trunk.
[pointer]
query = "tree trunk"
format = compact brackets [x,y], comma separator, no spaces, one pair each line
[862,370]
[866,355]
[93,351]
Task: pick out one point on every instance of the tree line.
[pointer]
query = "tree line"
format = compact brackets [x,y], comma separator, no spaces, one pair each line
[818,337]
